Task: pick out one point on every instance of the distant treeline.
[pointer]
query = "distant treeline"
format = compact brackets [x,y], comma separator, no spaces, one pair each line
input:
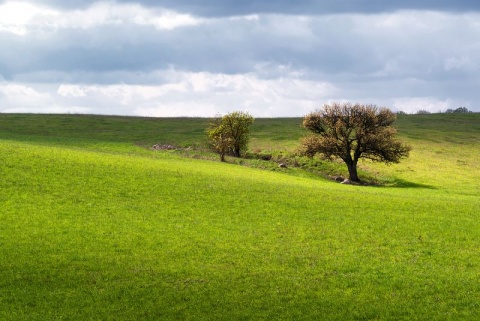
[459,110]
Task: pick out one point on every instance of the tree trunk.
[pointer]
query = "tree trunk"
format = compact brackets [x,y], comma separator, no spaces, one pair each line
[236,151]
[352,171]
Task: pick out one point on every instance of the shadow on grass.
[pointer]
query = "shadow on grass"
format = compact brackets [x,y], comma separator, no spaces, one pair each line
[401,183]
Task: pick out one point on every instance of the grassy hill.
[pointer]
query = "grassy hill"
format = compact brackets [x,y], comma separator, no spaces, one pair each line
[95,225]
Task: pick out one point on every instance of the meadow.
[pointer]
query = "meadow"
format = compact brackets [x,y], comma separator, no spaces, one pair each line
[95,225]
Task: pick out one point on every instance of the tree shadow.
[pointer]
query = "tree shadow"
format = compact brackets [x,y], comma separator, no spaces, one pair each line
[401,183]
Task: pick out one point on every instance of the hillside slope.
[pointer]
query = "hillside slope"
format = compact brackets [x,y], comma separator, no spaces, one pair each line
[107,229]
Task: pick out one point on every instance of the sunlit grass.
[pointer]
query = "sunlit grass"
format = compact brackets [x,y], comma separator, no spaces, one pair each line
[112,230]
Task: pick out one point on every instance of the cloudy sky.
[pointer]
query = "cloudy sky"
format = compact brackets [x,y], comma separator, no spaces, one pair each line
[268,57]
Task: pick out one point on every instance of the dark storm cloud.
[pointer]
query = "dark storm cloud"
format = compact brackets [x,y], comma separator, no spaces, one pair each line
[308,7]
[316,7]
[224,46]
[399,46]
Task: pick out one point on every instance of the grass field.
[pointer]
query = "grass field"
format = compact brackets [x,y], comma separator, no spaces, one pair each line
[96,226]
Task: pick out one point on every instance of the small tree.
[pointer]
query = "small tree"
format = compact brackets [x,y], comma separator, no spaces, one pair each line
[218,139]
[461,110]
[423,112]
[229,135]
[351,132]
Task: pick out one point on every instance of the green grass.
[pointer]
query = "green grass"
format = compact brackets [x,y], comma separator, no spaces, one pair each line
[94,226]
[102,132]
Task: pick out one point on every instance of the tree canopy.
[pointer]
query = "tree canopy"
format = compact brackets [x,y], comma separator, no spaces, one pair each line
[229,135]
[351,132]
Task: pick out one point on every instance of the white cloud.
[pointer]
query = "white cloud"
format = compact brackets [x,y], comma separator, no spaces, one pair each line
[21,17]
[105,13]
[15,16]
[23,95]
[71,91]
[20,98]
[49,110]
[182,94]
[167,20]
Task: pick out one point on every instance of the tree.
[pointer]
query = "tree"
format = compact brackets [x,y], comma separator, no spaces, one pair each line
[229,135]
[351,132]
[219,140]
[461,110]
[422,112]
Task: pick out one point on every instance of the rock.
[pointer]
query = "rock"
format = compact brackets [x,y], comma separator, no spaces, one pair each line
[282,165]
[346,181]
[163,147]
[339,179]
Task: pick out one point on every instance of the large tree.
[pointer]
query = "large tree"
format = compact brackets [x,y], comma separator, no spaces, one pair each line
[229,135]
[351,132]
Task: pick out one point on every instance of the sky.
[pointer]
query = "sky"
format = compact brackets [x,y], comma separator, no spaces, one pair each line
[271,58]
